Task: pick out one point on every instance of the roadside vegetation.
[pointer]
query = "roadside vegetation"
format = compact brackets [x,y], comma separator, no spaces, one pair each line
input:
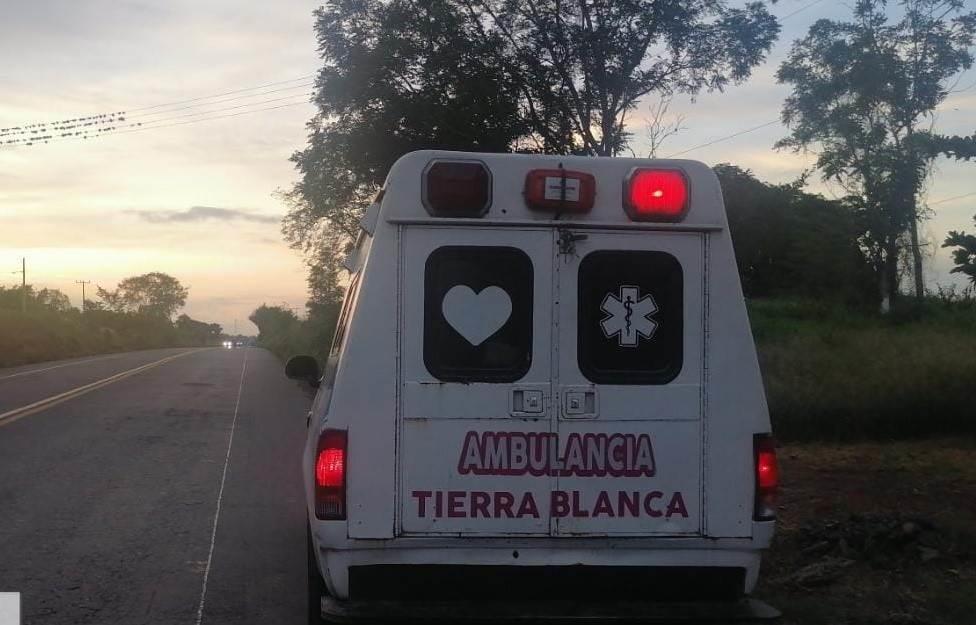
[41,325]
[836,373]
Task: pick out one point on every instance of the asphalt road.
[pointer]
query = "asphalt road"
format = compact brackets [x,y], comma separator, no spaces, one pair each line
[109,499]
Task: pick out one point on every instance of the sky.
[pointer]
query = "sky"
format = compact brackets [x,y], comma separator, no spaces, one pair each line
[198,200]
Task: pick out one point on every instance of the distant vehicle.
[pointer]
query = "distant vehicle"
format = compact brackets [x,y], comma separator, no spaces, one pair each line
[228,344]
[542,390]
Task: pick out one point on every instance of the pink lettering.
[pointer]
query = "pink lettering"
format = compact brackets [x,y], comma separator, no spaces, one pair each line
[626,504]
[648,500]
[455,504]
[528,507]
[479,503]
[422,497]
[602,505]
[503,503]
[559,506]
[676,506]
[577,510]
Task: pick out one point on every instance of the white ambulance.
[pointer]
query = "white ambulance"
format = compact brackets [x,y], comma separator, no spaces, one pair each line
[543,399]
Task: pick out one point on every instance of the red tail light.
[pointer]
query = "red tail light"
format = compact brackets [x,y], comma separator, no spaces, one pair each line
[330,476]
[457,188]
[560,190]
[767,478]
[656,195]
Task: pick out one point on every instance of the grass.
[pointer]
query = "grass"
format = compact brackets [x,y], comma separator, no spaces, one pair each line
[834,374]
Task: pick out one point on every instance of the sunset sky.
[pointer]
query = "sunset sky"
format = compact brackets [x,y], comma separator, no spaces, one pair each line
[197,200]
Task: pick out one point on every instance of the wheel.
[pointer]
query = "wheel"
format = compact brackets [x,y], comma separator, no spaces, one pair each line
[316,585]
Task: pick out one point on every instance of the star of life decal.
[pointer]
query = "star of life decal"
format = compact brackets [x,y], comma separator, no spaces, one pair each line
[628,316]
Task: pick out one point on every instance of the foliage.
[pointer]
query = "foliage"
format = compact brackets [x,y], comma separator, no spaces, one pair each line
[582,67]
[861,91]
[155,293]
[493,76]
[791,243]
[282,333]
[398,76]
[964,256]
[197,332]
[832,373]
[46,299]
[51,329]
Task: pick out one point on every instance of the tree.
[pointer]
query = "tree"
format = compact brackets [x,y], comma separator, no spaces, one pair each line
[154,294]
[52,299]
[398,76]
[497,75]
[273,320]
[791,243]
[861,94]
[193,332]
[965,255]
[587,64]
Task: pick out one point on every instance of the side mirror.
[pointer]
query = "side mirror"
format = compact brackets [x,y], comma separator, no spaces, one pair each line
[303,369]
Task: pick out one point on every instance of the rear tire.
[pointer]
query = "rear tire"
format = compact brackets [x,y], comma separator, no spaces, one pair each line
[316,585]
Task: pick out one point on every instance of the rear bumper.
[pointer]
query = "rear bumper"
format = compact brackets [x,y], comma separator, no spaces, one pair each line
[338,566]
[559,611]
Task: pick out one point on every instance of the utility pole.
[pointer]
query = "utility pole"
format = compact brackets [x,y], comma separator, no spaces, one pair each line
[82,283]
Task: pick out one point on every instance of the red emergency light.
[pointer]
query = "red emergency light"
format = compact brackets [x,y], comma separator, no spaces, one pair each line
[656,195]
[330,476]
[560,190]
[456,188]
[767,478]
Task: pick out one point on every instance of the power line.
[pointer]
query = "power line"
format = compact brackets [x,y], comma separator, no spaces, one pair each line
[800,10]
[949,199]
[217,95]
[160,122]
[230,108]
[192,121]
[725,138]
[39,128]
[209,103]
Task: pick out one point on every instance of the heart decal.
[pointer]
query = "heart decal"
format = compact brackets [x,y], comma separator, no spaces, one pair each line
[476,316]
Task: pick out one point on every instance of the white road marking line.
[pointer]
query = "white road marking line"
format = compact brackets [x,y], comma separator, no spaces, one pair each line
[220,494]
[66,364]
[10,416]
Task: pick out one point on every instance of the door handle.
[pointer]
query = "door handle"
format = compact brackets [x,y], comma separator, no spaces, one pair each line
[580,403]
[528,402]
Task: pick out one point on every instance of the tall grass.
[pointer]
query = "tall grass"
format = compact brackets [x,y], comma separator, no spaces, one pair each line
[833,373]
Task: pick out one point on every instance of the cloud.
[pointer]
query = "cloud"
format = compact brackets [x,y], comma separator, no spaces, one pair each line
[204,213]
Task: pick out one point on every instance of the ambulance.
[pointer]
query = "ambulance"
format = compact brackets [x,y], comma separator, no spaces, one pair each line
[542,400]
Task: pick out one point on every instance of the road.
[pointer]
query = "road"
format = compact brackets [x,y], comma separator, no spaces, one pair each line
[166,490]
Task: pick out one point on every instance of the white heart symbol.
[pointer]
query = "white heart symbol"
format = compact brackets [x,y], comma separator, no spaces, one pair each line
[476,316]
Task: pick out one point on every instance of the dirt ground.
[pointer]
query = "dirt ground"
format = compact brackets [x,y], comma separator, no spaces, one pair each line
[875,533]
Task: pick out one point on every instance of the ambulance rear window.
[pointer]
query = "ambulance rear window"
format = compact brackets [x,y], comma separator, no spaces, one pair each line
[630,317]
[478,313]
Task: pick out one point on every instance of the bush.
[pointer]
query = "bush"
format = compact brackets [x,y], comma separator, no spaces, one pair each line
[833,373]
[45,334]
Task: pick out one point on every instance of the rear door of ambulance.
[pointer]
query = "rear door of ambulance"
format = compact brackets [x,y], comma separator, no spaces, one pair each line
[629,374]
[475,379]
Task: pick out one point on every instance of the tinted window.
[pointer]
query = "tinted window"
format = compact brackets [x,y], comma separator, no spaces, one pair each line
[478,314]
[630,317]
